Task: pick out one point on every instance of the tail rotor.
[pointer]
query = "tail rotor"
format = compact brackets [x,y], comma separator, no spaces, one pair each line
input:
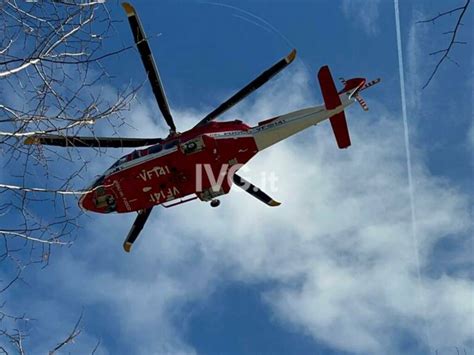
[359,98]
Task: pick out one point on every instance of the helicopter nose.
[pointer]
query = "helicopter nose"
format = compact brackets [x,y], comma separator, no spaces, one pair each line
[98,198]
[86,202]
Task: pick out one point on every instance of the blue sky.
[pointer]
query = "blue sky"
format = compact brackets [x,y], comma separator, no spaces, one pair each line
[331,271]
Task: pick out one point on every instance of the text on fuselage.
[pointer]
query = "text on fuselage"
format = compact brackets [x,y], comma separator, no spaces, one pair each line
[156,172]
[164,195]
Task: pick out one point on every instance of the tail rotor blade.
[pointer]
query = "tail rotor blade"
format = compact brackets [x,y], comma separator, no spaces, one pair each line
[136,228]
[149,63]
[369,84]
[362,103]
[359,99]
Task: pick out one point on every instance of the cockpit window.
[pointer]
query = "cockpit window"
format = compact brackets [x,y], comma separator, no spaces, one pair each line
[119,162]
[137,154]
[134,155]
[99,181]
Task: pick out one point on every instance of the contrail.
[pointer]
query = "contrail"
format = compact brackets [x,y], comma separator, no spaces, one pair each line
[261,22]
[269,25]
[411,189]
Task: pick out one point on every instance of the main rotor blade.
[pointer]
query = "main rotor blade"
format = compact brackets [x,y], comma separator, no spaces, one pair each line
[254,191]
[103,142]
[149,63]
[249,88]
[136,228]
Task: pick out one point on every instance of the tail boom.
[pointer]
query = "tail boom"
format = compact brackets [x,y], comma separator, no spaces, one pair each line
[276,129]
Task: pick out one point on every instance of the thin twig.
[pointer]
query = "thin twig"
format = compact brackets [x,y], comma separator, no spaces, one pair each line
[452,42]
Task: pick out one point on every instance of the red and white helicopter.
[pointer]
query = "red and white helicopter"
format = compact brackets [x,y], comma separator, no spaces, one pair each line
[165,172]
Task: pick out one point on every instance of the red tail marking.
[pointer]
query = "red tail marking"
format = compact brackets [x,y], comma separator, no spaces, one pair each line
[341,132]
[328,88]
[331,101]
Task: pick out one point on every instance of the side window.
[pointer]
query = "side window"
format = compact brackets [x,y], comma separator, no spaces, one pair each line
[143,152]
[155,149]
[171,144]
[133,155]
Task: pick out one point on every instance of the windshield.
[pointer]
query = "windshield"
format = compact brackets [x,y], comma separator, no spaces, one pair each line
[139,153]
[119,162]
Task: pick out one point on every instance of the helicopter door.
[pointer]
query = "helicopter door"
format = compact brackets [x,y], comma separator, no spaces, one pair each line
[211,146]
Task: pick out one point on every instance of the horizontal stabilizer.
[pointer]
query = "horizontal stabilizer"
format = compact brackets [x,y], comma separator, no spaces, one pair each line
[341,132]
[332,101]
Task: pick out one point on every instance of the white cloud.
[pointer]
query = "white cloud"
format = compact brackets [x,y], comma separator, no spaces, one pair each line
[339,249]
[365,12]
[343,234]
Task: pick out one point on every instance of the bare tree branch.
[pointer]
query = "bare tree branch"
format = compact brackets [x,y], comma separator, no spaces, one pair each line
[53,79]
[70,337]
[462,10]
[441,14]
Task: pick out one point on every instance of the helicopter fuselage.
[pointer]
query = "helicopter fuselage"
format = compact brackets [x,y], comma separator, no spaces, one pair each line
[198,163]
[170,170]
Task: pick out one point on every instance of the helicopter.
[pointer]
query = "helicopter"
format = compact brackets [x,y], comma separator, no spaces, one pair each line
[202,162]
